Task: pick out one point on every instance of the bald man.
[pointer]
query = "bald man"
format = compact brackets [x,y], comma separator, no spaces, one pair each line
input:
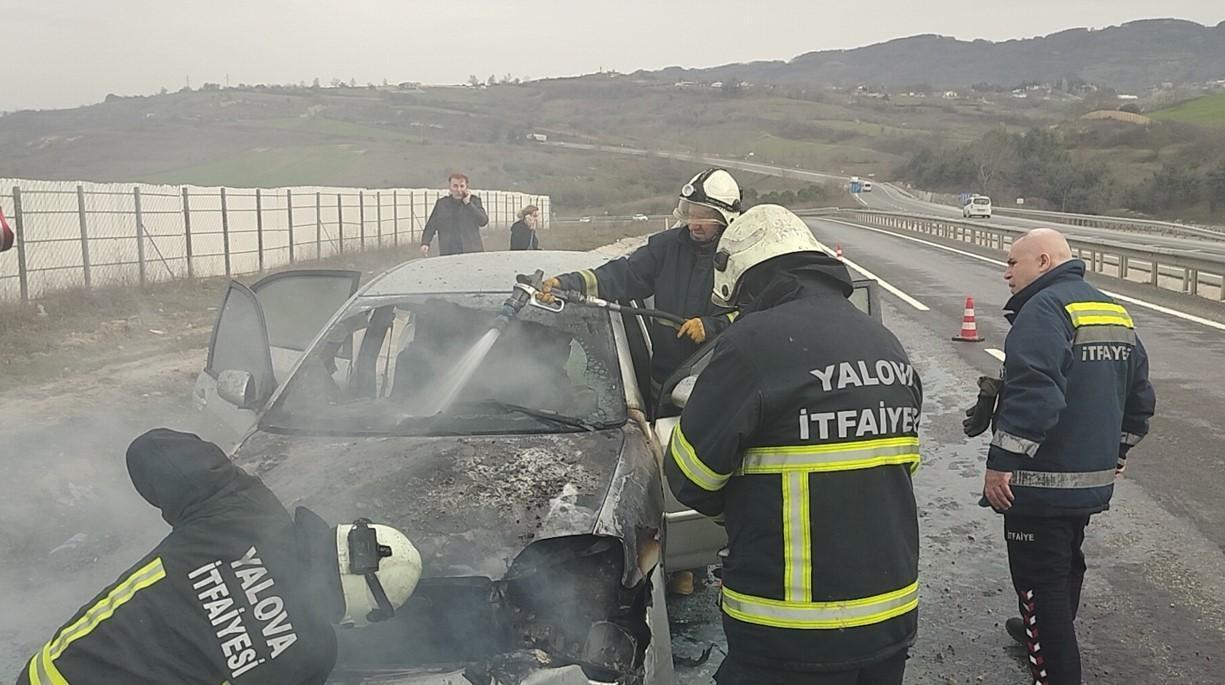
[1075,397]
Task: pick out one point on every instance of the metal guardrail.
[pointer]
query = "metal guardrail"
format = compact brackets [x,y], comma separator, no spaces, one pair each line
[1116,222]
[1182,272]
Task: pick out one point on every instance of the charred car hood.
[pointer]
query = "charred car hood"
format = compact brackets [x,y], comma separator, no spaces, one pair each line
[469,504]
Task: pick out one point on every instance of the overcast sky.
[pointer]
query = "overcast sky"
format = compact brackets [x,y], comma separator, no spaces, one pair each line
[63,53]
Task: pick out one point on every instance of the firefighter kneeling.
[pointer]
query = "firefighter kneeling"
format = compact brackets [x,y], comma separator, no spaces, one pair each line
[803,433]
[238,592]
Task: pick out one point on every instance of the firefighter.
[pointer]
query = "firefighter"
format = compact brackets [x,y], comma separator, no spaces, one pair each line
[674,267]
[238,592]
[802,433]
[1075,398]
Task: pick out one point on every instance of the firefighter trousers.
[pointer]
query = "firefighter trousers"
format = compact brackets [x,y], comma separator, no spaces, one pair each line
[887,672]
[1048,569]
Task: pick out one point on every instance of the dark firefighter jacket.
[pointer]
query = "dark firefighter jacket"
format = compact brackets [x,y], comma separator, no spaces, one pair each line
[228,596]
[523,237]
[1076,395]
[679,272]
[803,433]
[457,225]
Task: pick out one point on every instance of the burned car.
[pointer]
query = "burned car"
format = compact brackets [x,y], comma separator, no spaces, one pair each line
[536,496]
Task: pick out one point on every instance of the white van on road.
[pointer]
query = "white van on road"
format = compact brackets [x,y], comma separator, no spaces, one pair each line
[978,206]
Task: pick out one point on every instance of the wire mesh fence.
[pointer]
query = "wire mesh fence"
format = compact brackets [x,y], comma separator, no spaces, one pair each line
[92,235]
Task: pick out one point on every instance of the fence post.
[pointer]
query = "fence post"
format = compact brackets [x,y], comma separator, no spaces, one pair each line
[225,232]
[395,218]
[361,217]
[23,276]
[187,232]
[140,234]
[318,225]
[378,197]
[84,236]
[259,227]
[289,209]
[340,221]
[412,217]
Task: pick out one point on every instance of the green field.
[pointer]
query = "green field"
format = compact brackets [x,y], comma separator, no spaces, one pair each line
[1205,111]
[271,167]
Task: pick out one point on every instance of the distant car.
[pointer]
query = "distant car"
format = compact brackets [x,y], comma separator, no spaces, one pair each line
[641,217]
[867,186]
[979,206]
[585,220]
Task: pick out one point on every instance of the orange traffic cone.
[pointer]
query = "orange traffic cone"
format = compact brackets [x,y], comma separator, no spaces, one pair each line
[969,329]
[838,251]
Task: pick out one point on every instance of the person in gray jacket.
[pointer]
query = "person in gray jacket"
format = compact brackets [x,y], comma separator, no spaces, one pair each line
[457,220]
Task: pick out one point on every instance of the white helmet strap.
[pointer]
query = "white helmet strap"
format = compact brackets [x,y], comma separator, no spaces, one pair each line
[365,553]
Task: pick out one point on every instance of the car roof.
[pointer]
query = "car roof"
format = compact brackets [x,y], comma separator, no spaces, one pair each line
[476,272]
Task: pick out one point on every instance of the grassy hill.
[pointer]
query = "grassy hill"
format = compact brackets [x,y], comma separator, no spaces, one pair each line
[1135,56]
[385,137]
[390,137]
[1205,111]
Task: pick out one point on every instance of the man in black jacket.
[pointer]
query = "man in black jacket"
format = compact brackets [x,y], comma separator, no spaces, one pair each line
[457,219]
[802,432]
[1075,399]
[676,268]
[238,592]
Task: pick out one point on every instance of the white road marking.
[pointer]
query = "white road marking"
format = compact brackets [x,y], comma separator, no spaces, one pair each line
[1118,296]
[888,286]
[998,354]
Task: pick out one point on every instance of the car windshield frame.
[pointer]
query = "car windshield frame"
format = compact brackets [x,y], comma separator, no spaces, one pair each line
[576,351]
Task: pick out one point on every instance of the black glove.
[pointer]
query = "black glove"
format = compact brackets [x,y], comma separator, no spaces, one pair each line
[978,418]
[1122,463]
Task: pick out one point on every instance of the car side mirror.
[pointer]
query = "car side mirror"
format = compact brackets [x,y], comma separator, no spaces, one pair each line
[680,394]
[237,388]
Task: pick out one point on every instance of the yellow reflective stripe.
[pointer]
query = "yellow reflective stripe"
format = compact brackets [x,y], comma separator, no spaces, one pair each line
[1079,320]
[687,460]
[1098,314]
[32,671]
[42,670]
[797,539]
[733,315]
[142,578]
[591,284]
[820,615]
[845,456]
[51,674]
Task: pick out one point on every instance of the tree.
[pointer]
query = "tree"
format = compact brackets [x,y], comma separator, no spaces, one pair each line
[492,80]
[1214,187]
[994,157]
[315,83]
[473,80]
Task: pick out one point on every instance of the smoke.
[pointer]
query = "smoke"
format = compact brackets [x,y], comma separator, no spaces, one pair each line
[73,521]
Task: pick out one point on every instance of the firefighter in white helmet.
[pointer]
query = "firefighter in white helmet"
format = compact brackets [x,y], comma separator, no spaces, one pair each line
[238,592]
[675,267]
[802,432]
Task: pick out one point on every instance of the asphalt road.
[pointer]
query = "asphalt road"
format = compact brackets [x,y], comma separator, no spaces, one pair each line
[889,198]
[1151,611]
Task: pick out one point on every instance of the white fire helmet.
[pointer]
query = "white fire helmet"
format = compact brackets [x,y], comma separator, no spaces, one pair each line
[712,195]
[379,569]
[759,235]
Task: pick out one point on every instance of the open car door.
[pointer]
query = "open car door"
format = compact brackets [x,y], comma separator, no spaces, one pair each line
[260,334]
[693,540]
